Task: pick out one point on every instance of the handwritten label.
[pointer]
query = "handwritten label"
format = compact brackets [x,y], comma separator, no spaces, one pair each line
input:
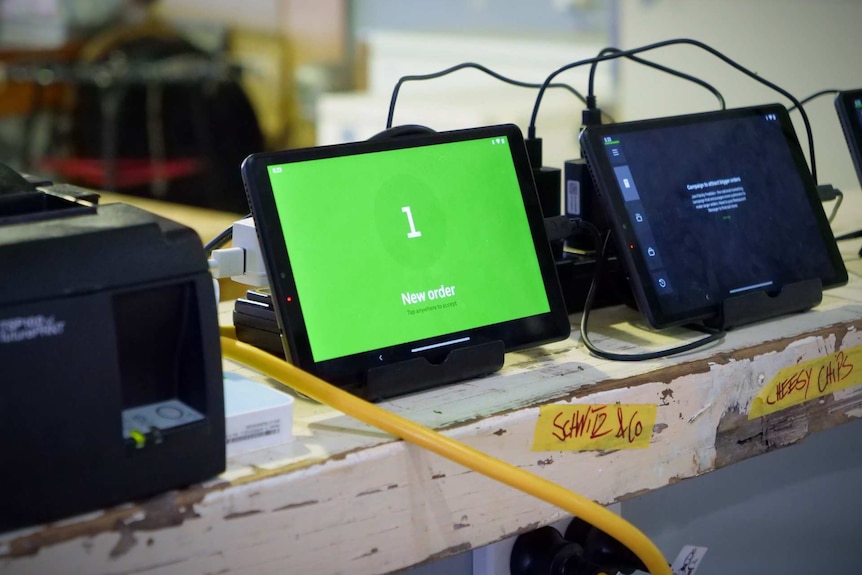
[809,380]
[587,427]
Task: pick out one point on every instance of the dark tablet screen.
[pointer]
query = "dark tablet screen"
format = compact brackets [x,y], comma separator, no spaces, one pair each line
[849,107]
[709,206]
[385,250]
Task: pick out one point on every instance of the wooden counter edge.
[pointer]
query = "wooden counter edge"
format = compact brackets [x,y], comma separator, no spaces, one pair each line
[392,488]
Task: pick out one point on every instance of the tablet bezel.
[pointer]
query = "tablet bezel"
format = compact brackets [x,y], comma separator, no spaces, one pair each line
[350,371]
[645,294]
[851,125]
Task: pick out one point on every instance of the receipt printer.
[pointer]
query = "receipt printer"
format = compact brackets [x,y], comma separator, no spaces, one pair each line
[110,364]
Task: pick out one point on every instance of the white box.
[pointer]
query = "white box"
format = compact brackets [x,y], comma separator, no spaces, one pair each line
[256,415]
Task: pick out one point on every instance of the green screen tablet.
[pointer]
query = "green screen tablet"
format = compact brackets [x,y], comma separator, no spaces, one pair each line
[386,250]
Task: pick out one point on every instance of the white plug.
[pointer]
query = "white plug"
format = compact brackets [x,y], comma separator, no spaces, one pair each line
[245,237]
[227,262]
[243,262]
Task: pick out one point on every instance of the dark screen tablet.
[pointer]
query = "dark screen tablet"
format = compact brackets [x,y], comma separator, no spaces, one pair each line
[848,104]
[710,206]
[386,250]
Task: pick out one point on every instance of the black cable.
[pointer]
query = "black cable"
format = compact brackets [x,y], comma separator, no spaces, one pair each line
[479,67]
[532,128]
[849,236]
[601,248]
[839,198]
[828,193]
[610,50]
[804,101]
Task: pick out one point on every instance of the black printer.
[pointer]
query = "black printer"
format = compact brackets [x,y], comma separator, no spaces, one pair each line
[110,364]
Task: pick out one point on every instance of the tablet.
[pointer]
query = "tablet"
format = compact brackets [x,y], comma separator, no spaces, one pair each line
[848,104]
[710,206]
[386,250]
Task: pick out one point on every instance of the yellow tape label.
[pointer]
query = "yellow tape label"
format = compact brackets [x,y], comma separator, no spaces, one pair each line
[589,427]
[809,380]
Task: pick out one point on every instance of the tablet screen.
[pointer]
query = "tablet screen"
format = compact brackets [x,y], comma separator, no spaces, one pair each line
[412,246]
[710,206]
[849,107]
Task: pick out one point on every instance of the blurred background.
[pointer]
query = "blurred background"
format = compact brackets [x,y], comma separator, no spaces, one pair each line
[165,98]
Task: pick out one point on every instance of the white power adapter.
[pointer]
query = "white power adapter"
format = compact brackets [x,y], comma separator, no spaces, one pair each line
[243,262]
[245,237]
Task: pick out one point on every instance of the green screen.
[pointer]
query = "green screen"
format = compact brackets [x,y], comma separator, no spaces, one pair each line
[397,246]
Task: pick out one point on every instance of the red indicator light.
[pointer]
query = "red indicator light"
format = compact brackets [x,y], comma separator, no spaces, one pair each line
[289,298]
[631,246]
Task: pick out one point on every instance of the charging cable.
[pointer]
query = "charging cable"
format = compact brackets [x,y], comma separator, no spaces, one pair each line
[561,228]
[828,193]
[317,389]
[814,96]
[592,113]
[455,68]
[531,130]
[601,248]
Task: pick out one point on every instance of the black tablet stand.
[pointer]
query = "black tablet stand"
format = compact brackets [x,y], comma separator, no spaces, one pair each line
[760,305]
[851,236]
[418,374]
[254,318]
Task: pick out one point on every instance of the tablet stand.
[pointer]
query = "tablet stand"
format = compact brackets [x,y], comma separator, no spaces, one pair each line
[418,374]
[759,305]
[851,236]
